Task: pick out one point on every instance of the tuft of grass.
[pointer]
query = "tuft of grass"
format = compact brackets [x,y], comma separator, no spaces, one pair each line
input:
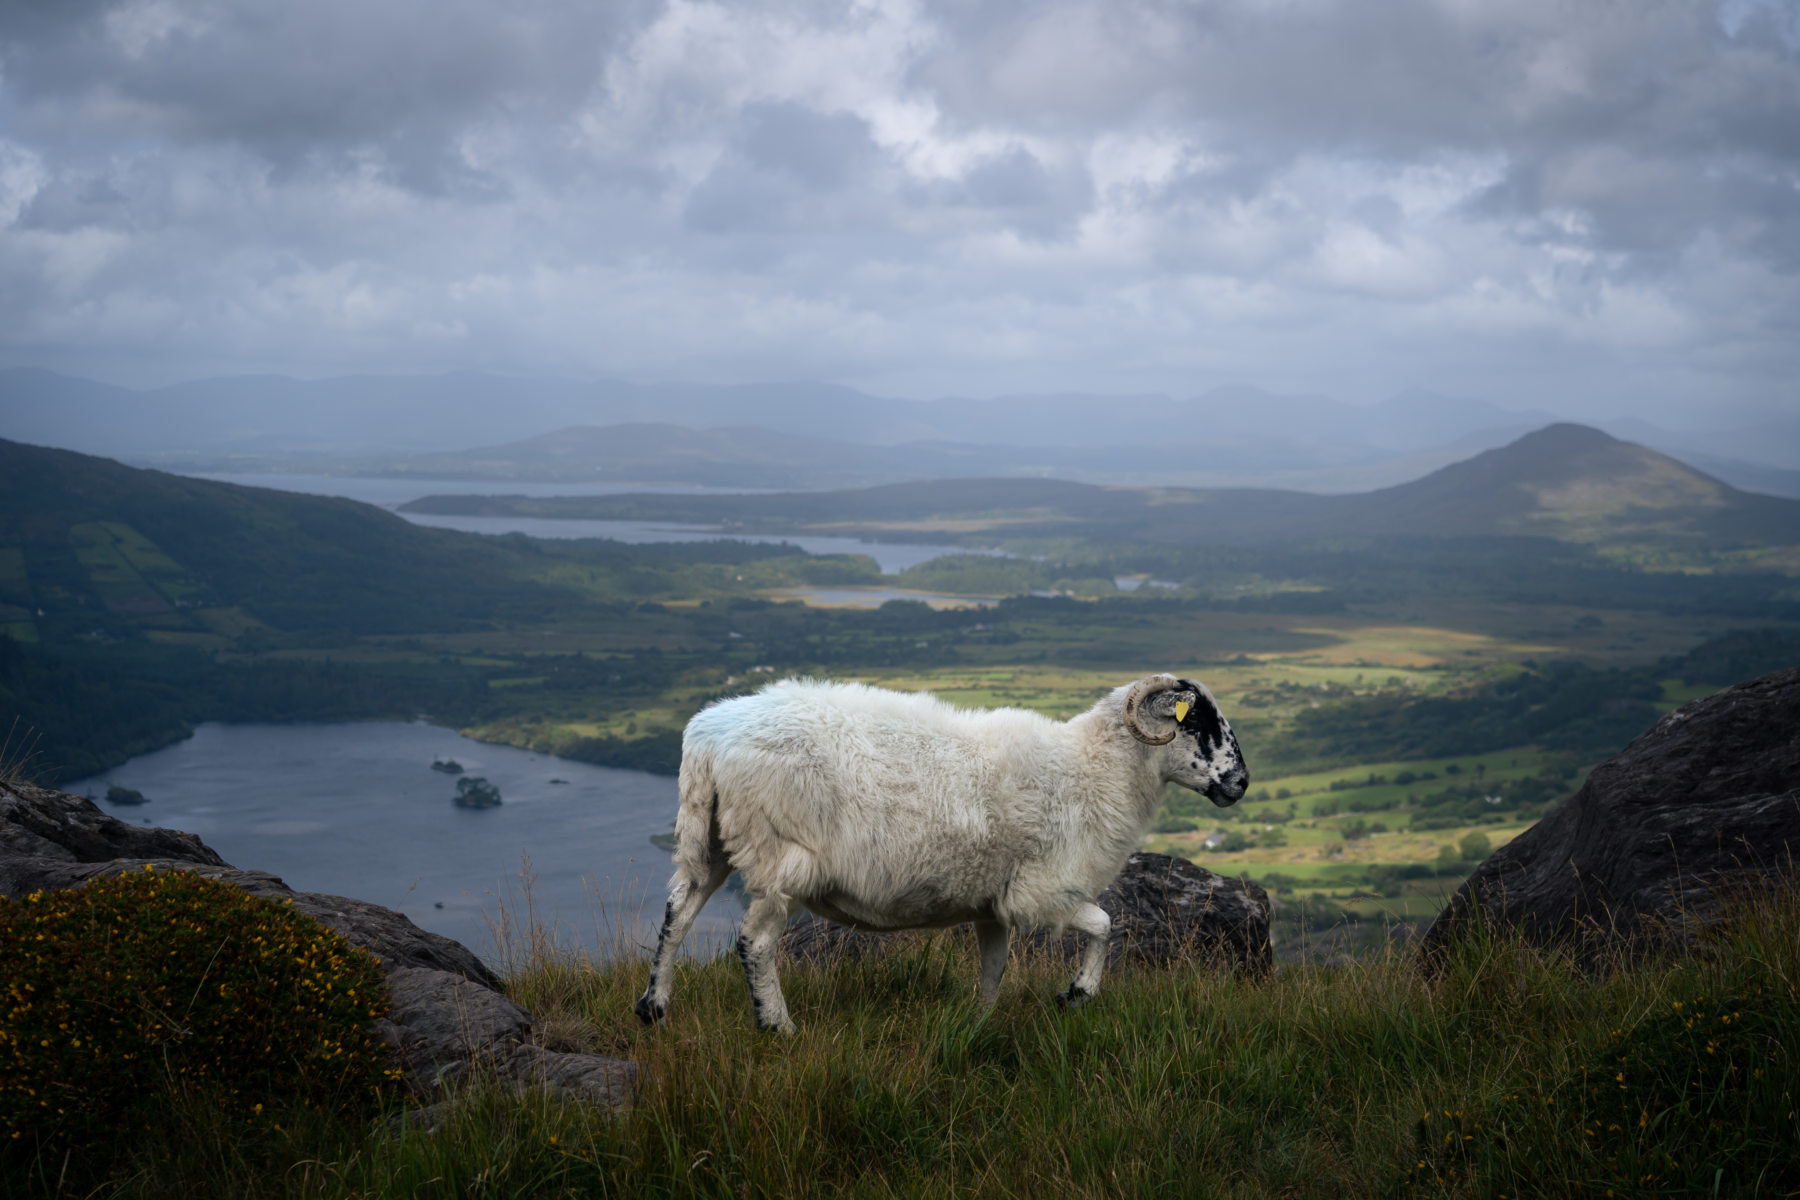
[18,749]
[1495,1074]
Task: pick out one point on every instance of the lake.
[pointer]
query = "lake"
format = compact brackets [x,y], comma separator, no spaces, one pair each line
[356,810]
[892,557]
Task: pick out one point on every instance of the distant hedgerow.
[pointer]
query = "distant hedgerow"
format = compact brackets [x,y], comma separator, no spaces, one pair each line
[116,991]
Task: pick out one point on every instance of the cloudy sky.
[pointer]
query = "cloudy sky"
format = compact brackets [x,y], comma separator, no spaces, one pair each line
[1587,205]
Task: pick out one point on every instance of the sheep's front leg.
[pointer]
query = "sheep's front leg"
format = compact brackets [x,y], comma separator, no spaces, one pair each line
[757,940]
[1091,920]
[992,938]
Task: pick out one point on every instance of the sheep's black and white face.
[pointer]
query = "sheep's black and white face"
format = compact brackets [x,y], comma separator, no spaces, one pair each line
[1204,755]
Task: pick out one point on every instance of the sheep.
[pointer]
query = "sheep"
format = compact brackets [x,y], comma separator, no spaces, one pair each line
[884,810]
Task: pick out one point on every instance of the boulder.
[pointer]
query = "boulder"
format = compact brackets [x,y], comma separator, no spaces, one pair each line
[1164,911]
[44,834]
[1702,807]
[446,1010]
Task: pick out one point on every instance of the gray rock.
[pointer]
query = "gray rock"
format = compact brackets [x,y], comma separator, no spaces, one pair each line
[1168,910]
[1164,911]
[436,1018]
[446,1011]
[592,1077]
[44,831]
[1704,806]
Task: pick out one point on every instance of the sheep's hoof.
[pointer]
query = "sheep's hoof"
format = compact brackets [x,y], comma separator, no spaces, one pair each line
[785,1028]
[648,1011]
[1075,997]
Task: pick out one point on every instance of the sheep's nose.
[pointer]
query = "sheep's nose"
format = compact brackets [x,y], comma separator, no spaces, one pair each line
[1229,790]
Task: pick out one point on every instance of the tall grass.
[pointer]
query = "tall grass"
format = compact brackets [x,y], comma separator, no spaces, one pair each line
[18,754]
[1510,1072]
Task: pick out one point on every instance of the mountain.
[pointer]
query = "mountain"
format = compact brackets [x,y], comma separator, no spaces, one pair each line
[1575,483]
[1231,436]
[1566,482]
[256,420]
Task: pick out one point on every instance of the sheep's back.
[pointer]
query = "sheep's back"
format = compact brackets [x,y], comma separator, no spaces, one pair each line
[816,783]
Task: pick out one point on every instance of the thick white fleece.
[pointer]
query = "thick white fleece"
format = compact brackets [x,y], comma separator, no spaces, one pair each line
[890,810]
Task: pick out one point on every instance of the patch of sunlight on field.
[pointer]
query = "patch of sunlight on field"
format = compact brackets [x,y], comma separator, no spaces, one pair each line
[1406,645]
[1061,692]
[1324,847]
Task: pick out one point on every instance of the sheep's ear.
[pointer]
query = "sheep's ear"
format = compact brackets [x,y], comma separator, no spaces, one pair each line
[1181,710]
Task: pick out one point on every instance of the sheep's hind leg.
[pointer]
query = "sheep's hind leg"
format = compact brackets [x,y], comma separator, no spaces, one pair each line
[686,899]
[1091,920]
[757,941]
[992,938]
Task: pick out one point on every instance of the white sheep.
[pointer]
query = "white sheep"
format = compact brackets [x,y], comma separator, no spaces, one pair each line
[885,810]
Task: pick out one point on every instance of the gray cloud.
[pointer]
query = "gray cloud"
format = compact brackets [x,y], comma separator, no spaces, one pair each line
[1596,206]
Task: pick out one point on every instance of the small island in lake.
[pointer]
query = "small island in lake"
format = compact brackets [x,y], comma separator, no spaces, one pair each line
[476,792]
[448,766]
[124,795]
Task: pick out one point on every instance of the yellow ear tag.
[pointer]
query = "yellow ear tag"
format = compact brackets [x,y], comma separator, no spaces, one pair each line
[1181,711]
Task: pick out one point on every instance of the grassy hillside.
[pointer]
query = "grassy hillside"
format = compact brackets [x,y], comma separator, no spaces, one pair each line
[89,546]
[96,545]
[1511,1073]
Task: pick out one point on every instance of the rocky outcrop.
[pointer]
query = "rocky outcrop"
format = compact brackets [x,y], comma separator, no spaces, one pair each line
[46,836]
[1164,911]
[446,1011]
[1703,807]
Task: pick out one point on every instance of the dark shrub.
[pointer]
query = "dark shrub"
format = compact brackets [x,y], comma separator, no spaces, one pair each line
[117,991]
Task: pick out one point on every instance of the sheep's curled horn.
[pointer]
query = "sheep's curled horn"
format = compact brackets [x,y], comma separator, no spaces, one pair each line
[1141,691]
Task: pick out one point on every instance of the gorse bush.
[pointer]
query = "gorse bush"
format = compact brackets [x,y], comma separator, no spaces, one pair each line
[117,991]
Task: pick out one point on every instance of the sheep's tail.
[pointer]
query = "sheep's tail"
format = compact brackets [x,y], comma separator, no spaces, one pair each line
[698,848]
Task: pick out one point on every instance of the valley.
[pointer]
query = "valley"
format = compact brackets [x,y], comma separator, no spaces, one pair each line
[1407,701]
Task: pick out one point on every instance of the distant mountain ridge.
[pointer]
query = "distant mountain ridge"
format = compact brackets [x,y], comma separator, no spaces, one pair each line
[1564,481]
[1230,436]
[420,413]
